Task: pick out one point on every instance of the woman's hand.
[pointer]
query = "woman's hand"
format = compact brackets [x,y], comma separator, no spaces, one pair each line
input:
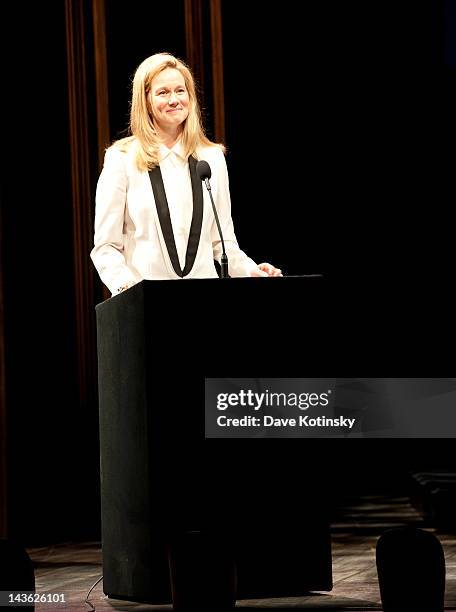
[266,269]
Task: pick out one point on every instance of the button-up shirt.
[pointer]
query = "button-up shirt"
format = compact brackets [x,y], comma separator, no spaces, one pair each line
[178,189]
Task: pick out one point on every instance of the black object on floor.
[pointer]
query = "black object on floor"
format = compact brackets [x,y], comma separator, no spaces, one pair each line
[434,495]
[411,571]
[203,572]
[16,570]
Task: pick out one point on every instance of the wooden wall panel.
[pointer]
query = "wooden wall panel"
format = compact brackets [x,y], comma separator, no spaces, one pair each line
[81,196]
[193,10]
[3,448]
[101,78]
[217,70]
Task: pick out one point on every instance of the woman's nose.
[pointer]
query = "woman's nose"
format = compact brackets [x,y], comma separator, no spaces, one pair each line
[172,98]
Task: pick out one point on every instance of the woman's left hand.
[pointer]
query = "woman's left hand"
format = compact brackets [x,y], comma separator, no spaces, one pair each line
[266,269]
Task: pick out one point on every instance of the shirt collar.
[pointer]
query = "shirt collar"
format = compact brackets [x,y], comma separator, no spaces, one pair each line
[177,149]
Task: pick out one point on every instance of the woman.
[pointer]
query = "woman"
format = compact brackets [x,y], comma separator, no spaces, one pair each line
[153,220]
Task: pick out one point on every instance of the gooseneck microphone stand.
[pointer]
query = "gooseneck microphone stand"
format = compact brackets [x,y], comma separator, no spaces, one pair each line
[204,172]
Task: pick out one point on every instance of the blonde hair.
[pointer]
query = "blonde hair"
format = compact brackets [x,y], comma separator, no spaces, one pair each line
[142,128]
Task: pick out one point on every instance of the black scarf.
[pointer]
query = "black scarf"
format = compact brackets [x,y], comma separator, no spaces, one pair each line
[161,202]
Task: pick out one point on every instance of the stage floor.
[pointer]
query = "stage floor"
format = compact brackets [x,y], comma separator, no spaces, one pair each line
[72,568]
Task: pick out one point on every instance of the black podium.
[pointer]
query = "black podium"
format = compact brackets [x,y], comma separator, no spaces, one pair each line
[157,342]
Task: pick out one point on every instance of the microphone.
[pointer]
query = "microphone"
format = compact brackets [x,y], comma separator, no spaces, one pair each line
[204,172]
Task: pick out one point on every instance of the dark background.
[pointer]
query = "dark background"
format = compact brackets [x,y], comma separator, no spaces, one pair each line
[340,133]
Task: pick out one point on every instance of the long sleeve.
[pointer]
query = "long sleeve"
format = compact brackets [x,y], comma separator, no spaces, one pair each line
[108,252]
[239,264]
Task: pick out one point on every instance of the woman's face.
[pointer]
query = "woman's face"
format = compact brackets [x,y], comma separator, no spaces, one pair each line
[169,100]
